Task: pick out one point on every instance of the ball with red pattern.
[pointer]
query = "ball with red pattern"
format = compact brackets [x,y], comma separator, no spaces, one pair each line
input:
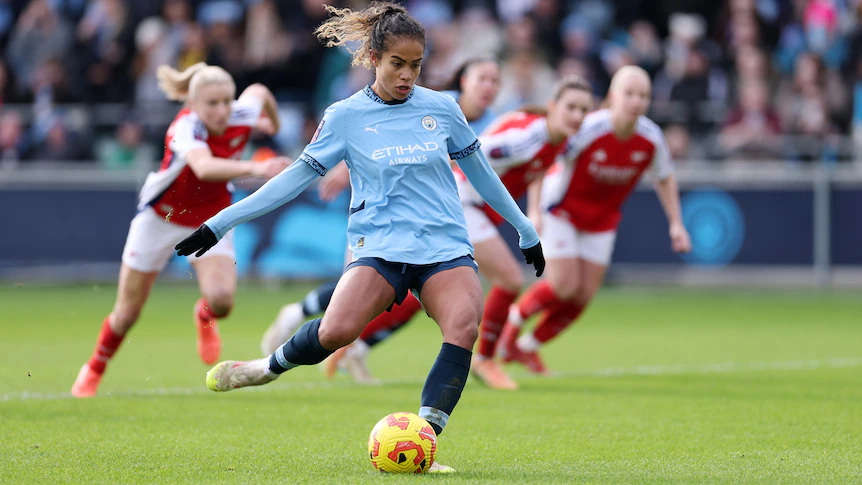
[402,443]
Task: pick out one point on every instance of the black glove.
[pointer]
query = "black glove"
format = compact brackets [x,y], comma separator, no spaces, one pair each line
[202,239]
[535,257]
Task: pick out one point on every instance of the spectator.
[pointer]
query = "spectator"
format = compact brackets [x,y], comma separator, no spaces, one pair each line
[525,79]
[126,150]
[699,85]
[810,80]
[4,83]
[13,145]
[60,145]
[153,51]
[194,49]
[39,35]
[103,33]
[645,47]
[678,142]
[266,42]
[752,127]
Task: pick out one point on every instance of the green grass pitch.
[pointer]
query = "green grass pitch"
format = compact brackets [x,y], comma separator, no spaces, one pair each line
[654,386]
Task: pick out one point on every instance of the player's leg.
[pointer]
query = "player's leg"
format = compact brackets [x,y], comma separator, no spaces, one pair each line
[595,250]
[149,245]
[361,294]
[561,247]
[562,277]
[132,292]
[292,315]
[354,358]
[385,324]
[499,266]
[453,298]
[217,283]
[216,271]
[551,297]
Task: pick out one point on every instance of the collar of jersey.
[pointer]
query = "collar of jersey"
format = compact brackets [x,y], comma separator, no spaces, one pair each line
[377,99]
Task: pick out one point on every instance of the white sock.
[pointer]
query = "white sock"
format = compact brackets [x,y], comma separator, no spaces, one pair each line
[515,316]
[528,343]
[358,349]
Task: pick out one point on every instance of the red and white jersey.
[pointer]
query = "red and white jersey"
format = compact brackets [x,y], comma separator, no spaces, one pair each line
[175,192]
[519,150]
[599,171]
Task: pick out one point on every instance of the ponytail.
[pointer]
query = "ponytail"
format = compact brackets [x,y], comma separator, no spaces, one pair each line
[375,28]
[179,86]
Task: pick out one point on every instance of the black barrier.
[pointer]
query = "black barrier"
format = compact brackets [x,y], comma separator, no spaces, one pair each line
[306,237]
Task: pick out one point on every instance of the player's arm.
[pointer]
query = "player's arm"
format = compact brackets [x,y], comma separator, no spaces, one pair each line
[488,185]
[326,150]
[213,169]
[270,105]
[534,196]
[514,146]
[667,190]
[464,148]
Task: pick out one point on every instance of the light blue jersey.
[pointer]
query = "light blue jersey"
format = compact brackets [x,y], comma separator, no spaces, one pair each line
[480,124]
[405,205]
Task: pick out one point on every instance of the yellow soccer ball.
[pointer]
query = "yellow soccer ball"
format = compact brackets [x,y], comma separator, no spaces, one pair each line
[402,443]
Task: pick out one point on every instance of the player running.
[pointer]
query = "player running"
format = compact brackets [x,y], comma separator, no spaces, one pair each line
[202,146]
[406,229]
[583,196]
[521,146]
[474,87]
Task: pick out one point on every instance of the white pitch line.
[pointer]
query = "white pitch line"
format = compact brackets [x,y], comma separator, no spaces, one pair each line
[640,370]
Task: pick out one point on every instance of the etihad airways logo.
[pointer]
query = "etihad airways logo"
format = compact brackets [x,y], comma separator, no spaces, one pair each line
[398,155]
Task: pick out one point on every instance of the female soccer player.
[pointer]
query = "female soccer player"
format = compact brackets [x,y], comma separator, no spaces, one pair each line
[521,146]
[603,165]
[474,87]
[201,150]
[407,230]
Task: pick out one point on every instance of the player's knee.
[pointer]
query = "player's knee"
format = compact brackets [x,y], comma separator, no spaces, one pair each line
[464,331]
[565,290]
[220,301]
[510,281]
[334,337]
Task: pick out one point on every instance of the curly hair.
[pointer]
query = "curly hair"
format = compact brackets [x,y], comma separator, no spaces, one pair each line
[375,28]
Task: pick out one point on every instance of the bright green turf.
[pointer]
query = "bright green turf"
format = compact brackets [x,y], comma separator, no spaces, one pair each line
[747,422]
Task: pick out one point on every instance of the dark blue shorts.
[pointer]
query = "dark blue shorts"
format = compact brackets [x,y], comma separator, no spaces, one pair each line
[405,277]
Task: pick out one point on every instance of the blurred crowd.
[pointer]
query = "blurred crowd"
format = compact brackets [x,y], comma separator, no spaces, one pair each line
[735,79]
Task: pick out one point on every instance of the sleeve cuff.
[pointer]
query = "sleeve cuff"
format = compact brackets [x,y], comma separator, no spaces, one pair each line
[467,151]
[314,164]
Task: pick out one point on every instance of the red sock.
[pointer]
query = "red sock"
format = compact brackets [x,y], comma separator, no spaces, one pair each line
[538,297]
[497,305]
[387,322]
[107,343]
[206,313]
[555,320]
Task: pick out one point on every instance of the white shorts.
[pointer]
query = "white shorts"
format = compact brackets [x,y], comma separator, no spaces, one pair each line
[479,226]
[560,239]
[151,240]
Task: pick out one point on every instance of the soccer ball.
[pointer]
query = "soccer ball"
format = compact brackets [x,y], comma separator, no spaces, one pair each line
[402,443]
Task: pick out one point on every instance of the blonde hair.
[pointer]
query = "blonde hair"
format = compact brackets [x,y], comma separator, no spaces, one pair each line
[179,86]
[374,28]
[626,72]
